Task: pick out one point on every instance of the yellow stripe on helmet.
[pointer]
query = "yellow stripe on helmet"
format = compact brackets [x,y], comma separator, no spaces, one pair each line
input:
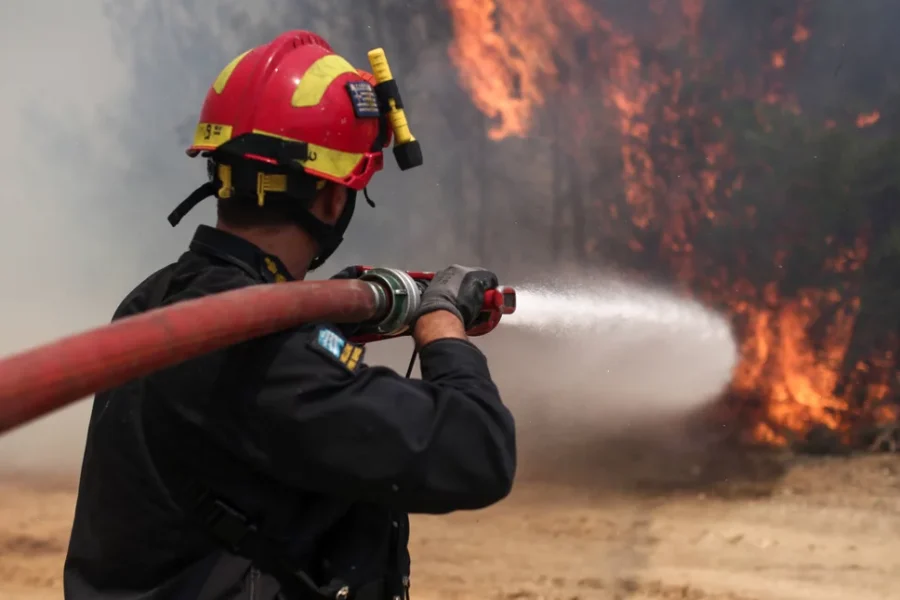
[334,163]
[317,78]
[222,79]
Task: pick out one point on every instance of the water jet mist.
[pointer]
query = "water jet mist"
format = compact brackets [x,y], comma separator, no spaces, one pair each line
[599,358]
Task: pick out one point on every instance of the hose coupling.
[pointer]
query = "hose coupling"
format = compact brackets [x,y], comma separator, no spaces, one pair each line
[397,297]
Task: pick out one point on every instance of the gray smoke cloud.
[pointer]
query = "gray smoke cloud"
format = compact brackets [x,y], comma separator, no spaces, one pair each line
[64,169]
[99,102]
[91,166]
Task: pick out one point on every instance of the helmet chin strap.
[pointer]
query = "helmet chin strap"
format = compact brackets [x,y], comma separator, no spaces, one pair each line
[327,237]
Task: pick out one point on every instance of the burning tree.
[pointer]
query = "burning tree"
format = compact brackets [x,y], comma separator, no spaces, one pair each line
[734,183]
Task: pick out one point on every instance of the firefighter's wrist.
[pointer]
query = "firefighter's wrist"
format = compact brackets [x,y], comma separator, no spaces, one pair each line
[437,325]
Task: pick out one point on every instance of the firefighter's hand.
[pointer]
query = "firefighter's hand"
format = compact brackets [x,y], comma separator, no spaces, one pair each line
[348,273]
[458,290]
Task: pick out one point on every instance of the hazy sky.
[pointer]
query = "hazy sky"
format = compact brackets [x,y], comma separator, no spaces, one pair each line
[96,110]
[64,267]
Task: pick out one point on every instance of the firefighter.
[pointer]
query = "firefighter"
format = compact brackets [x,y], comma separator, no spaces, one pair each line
[284,467]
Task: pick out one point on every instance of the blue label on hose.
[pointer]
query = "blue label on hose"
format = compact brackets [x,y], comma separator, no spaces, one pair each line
[331,344]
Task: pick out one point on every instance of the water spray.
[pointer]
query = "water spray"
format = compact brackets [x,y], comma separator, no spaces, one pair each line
[600,355]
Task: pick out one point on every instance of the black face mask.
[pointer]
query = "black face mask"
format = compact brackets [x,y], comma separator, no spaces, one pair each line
[328,237]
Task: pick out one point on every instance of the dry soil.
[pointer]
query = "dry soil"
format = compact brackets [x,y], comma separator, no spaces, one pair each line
[759,528]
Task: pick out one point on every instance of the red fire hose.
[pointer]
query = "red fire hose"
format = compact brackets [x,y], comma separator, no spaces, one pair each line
[38,381]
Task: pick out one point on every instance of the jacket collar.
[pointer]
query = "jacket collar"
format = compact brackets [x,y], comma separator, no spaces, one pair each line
[241,253]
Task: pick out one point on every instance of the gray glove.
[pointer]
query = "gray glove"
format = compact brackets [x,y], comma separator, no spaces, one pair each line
[459,290]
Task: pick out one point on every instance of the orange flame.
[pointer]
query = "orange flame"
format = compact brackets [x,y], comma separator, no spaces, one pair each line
[778,59]
[507,75]
[509,54]
[868,119]
[801,34]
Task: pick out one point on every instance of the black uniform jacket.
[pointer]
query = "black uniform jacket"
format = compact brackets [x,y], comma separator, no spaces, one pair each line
[325,456]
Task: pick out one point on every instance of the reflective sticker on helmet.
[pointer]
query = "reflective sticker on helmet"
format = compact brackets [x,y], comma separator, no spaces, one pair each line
[365,102]
[211,135]
[328,342]
[317,78]
[222,79]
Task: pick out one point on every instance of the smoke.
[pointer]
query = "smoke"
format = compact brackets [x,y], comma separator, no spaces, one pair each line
[91,165]
[99,102]
[67,258]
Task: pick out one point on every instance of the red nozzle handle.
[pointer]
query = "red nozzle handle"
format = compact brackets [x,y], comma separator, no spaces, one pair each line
[502,299]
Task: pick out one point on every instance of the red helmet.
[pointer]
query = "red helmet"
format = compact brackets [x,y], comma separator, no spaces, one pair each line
[297,89]
[282,118]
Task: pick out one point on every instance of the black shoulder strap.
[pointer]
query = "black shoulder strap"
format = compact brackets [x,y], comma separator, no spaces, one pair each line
[234,532]
[398,578]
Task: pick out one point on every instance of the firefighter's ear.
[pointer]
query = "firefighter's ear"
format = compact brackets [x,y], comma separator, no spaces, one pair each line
[329,203]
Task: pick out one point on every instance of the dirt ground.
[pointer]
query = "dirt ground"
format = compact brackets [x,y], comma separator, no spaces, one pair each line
[759,528]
